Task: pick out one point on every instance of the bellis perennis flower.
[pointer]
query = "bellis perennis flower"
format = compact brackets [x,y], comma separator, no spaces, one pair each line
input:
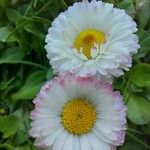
[92,38]
[78,114]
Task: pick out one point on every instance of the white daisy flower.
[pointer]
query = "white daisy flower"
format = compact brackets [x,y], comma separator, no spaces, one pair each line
[78,114]
[92,38]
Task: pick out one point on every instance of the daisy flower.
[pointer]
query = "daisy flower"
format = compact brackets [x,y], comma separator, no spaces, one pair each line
[78,114]
[92,38]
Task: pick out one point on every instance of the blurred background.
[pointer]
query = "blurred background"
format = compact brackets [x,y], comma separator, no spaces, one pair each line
[24,69]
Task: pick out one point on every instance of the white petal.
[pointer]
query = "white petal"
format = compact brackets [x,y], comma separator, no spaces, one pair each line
[97,143]
[85,143]
[117,26]
[48,140]
[47,125]
[60,141]
[76,143]
[69,143]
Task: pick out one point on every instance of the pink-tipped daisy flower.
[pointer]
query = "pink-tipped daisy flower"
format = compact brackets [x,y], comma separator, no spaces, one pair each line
[92,38]
[78,114]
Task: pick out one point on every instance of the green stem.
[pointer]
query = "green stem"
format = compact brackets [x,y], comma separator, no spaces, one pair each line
[134,131]
[125,89]
[138,140]
[137,60]
[127,100]
[16,29]
[64,4]
[127,85]
[44,7]
[27,63]
[28,8]
[12,79]
[116,2]
[39,19]
[32,64]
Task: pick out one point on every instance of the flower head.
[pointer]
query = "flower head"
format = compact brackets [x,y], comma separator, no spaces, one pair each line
[78,114]
[92,38]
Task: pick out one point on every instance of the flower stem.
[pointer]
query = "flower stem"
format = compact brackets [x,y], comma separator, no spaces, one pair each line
[28,63]
[32,64]
[64,4]
[134,131]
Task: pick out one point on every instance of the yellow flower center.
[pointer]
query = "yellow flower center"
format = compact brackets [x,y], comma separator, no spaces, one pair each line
[86,40]
[78,116]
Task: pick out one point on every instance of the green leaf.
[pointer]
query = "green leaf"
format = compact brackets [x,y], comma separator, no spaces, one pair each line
[4,109]
[54,8]
[4,32]
[50,74]
[6,146]
[26,147]
[9,125]
[20,137]
[12,14]
[35,3]
[145,45]
[139,140]
[140,75]
[31,28]
[131,145]
[3,85]
[11,55]
[146,129]
[3,4]
[143,7]
[37,44]
[142,34]
[16,17]
[31,87]
[128,6]
[144,41]
[138,110]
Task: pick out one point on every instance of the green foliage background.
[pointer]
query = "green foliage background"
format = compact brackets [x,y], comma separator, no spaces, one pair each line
[24,68]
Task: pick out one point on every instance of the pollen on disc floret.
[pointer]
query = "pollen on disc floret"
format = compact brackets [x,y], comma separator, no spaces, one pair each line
[78,116]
